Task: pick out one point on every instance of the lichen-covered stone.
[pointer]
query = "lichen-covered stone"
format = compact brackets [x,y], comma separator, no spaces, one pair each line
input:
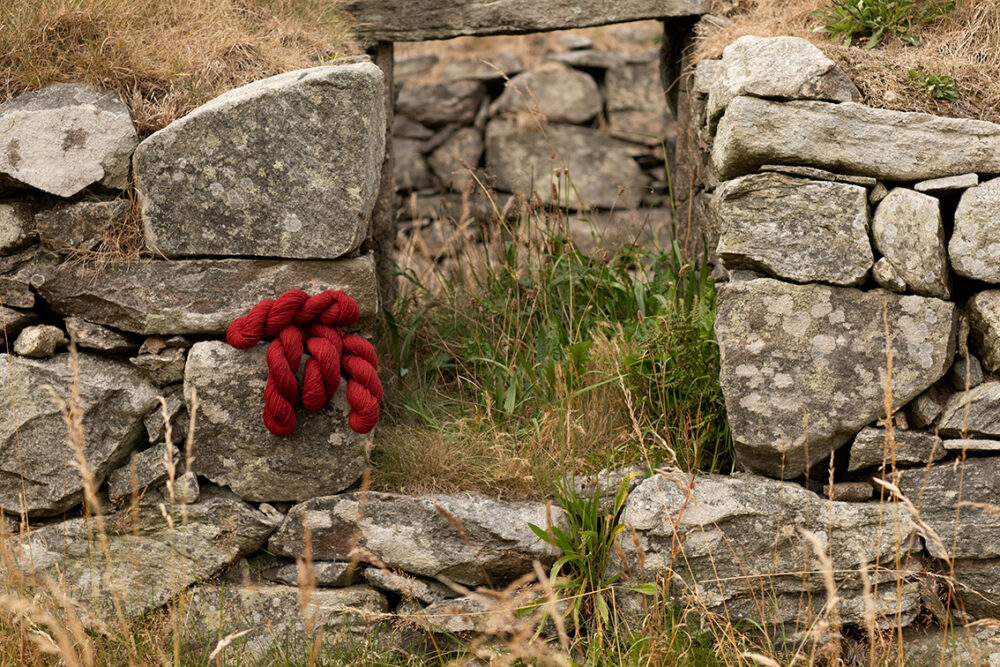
[287,166]
[142,470]
[974,247]
[196,296]
[561,95]
[852,138]
[984,320]
[724,539]
[970,531]
[602,169]
[982,418]
[907,229]
[966,372]
[233,448]
[39,341]
[870,448]
[821,175]
[64,138]
[453,160]
[34,452]
[467,538]
[441,103]
[186,489]
[787,68]
[95,337]
[925,408]
[886,276]
[947,184]
[803,365]
[79,226]
[163,366]
[17,226]
[793,228]
[151,560]
[324,574]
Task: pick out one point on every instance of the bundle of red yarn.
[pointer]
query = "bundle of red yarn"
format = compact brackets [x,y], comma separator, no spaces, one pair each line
[296,322]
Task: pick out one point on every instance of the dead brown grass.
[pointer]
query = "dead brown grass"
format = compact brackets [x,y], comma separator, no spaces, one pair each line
[965,45]
[163,58]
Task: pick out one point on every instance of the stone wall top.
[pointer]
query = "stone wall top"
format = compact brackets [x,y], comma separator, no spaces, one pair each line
[420,20]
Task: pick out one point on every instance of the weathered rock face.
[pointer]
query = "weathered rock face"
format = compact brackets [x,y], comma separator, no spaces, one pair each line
[805,364]
[562,95]
[234,449]
[870,449]
[974,248]
[95,337]
[39,341]
[17,227]
[34,454]
[15,292]
[908,231]
[440,104]
[733,541]
[276,619]
[409,167]
[324,573]
[801,230]
[967,532]
[849,137]
[636,103]
[423,535]
[453,159]
[63,138]
[984,317]
[979,590]
[78,226]
[151,562]
[521,161]
[786,68]
[284,167]
[142,470]
[983,418]
[397,21]
[947,184]
[196,296]
[13,320]
[886,276]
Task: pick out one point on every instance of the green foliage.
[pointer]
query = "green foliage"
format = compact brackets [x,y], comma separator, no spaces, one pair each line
[936,86]
[875,20]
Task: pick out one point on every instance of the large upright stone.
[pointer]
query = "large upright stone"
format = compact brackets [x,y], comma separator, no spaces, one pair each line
[420,20]
[64,138]
[733,544]
[908,231]
[283,167]
[788,68]
[601,168]
[35,457]
[793,228]
[195,296]
[636,103]
[151,560]
[803,365]
[560,95]
[974,248]
[852,138]
[233,448]
[441,103]
[469,538]
[984,320]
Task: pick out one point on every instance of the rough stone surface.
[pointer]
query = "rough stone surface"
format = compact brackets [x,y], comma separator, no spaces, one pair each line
[13,320]
[64,138]
[15,292]
[852,138]
[979,591]
[976,445]
[409,167]
[983,412]
[886,276]
[878,193]
[797,229]
[95,337]
[787,68]
[974,247]
[848,492]
[948,184]
[488,68]
[39,341]
[152,561]
[163,367]
[804,361]
[966,372]
[462,615]
[410,588]
[599,165]
[399,21]
[441,103]
[984,320]
[79,226]
[186,489]
[820,174]
[929,647]
[421,535]
[925,408]
[330,574]
[196,296]
[322,456]
[561,95]
[636,104]
[150,468]
[588,59]
[33,447]
[912,447]
[177,417]
[286,167]
[412,67]
[731,535]
[453,159]
[934,491]
[17,226]
[908,231]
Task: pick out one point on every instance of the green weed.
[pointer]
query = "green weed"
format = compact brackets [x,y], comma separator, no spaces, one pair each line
[874,20]
[936,86]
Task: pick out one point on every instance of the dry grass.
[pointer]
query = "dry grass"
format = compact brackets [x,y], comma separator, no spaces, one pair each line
[163,58]
[965,44]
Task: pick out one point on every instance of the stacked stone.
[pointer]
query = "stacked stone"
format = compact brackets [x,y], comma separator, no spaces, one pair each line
[491,125]
[851,240]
